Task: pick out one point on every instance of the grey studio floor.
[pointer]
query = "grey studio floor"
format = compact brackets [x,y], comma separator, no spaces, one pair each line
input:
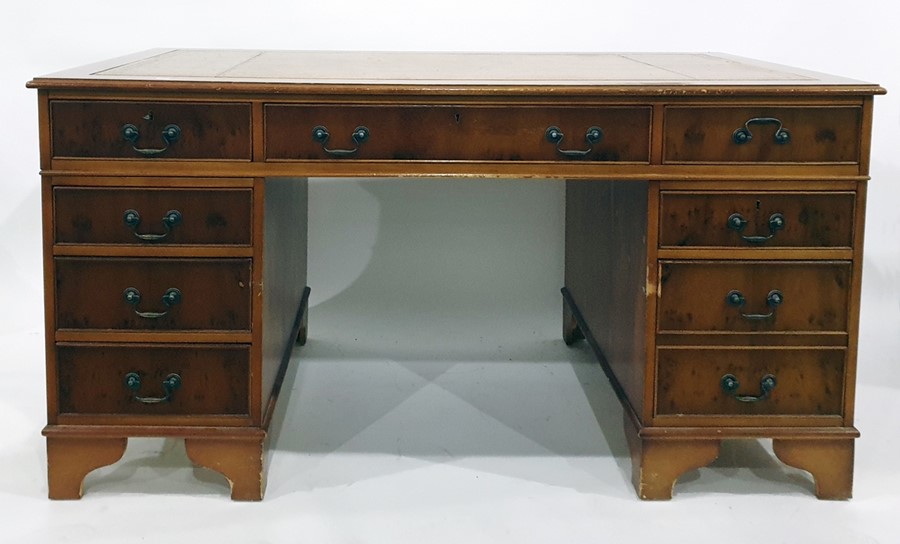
[435,402]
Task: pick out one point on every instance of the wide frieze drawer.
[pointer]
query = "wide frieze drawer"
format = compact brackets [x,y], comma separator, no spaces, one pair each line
[762,134]
[762,296]
[477,133]
[152,216]
[153,294]
[153,379]
[756,219]
[150,130]
[760,381]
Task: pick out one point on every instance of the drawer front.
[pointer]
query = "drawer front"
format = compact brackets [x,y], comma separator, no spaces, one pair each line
[695,381]
[89,215]
[99,293]
[96,129]
[741,296]
[750,219]
[814,134]
[100,379]
[457,133]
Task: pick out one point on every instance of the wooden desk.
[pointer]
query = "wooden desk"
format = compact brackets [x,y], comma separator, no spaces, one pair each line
[714,229]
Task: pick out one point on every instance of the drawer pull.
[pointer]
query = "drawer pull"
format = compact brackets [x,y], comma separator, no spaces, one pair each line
[773,299]
[592,136]
[743,135]
[171,297]
[170,385]
[170,135]
[730,385]
[133,219]
[736,222]
[321,135]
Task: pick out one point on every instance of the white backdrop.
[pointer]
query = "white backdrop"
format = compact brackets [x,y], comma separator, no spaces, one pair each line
[858,40]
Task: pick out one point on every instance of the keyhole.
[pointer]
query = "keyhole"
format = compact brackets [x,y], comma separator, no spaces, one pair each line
[457,117]
[757,204]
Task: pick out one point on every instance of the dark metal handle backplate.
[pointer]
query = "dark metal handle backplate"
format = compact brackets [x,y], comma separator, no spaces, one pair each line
[555,136]
[132,220]
[743,135]
[774,299]
[170,135]
[321,135]
[730,385]
[170,385]
[170,298]
[736,222]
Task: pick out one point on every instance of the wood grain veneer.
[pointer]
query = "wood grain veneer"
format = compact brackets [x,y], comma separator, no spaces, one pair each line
[666,214]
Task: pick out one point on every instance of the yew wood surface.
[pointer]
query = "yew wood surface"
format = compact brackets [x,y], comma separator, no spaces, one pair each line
[215,293]
[239,460]
[811,219]
[668,121]
[693,295]
[94,215]
[606,223]
[830,462]
[809,381]
[432,132]
[705,134]
[284,278]
[214,379]
[71,458]
[94,129]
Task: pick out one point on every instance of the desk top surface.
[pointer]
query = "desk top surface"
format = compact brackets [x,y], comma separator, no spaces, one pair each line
[311,71]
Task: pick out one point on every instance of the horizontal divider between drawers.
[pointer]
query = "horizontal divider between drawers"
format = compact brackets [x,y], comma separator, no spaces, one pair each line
[732,426]
[112,250]
[154,337]
[139,425]
[752,340]
[756,254]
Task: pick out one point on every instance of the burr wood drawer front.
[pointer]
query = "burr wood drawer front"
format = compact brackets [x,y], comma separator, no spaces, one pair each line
[762,134]
[164,379]
[153,294]
[150,130]
[750,381]
[152,216]
[754,296]
[757,219]
[458,133]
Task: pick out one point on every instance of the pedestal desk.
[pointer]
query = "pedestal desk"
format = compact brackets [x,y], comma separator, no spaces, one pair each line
[714,232]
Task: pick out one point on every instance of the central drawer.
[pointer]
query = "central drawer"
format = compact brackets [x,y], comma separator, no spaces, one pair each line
[153,294]
[475,133]
[753,296]
[153,379]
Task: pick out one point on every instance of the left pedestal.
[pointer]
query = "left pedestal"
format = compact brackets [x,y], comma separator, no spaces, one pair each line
[173,305]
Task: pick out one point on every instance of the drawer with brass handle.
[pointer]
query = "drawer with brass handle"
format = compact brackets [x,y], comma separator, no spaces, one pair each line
[762,134]
[753,296]
[750,381]
[152,216]
[463,133]
[756,219]
[150,130]
[109,379]
[153,294]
